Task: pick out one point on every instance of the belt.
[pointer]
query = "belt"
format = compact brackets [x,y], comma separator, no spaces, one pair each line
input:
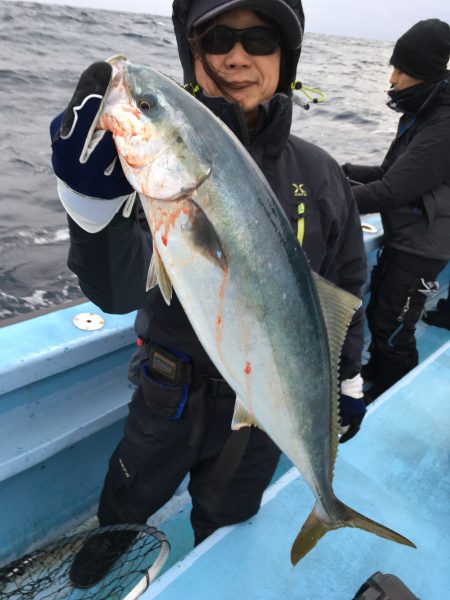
[217,386]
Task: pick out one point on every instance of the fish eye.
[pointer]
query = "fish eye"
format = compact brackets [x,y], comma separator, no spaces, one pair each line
[148,103]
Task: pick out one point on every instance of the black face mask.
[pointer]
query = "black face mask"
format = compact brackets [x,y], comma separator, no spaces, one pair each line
[416,97]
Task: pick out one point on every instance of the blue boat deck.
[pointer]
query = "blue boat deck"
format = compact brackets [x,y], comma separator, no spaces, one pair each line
[396,472]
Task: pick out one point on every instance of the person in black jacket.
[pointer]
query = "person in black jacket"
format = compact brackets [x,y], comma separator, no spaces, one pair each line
[411,191]
[241,65]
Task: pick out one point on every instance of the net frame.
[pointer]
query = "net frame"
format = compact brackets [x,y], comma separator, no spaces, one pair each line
[43,574]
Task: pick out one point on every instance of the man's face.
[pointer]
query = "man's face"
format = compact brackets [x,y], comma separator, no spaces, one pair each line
[254,78]
[401,81]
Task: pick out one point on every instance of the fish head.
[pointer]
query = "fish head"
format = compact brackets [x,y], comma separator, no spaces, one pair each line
[150,133]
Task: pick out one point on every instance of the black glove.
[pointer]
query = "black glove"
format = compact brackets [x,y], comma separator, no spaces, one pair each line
[439,317]
[85,159]
[352,411]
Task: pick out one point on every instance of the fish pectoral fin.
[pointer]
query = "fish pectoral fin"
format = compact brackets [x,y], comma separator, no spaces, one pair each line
[242,417]
[157,274]
[315,527]
[204,236]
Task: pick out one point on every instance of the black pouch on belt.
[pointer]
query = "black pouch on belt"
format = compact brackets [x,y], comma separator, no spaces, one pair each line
[165,380]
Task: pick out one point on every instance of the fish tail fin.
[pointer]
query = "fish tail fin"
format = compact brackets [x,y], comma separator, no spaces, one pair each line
[355,519]
[315,527]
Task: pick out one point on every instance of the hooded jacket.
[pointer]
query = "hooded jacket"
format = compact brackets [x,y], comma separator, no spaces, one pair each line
[179,19]
[112,265]
[411,189]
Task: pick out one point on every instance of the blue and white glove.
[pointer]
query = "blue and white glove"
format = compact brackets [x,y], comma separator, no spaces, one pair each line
[352,407]
[91,183]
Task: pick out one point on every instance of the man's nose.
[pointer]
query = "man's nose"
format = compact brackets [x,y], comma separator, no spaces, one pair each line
[237,55]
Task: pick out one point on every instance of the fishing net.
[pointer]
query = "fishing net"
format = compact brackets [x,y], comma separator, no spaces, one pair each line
[44,574]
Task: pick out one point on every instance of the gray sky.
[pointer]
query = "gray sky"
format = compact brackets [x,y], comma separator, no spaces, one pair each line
[372,19]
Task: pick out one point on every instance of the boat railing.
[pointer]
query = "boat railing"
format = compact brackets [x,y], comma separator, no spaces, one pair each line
[63,398]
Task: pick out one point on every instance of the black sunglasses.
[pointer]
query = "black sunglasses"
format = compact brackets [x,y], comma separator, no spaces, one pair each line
[255,40]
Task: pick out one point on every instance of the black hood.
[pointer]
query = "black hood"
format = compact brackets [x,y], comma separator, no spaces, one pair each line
[180,9]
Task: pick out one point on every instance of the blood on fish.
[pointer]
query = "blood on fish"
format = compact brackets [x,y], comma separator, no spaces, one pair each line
[132,164]
[167,220]
[111,124]
[248,368]
[133,110]
[220,303]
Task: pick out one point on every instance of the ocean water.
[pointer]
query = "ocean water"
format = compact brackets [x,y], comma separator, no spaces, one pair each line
[44,48]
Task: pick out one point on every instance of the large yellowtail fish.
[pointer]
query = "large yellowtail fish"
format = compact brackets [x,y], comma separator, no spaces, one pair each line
[222,241]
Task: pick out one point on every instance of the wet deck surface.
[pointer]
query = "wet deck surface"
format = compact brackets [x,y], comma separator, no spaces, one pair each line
[397,472]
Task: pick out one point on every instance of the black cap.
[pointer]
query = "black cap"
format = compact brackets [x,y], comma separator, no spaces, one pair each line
[278,11]
[423,51]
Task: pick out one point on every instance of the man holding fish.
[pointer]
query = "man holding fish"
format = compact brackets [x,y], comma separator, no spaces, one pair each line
[243,339]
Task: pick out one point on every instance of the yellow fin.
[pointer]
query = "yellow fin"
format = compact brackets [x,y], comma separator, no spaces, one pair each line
[157,274]
[311,532]
[151,275]
[314,528]
[241,416]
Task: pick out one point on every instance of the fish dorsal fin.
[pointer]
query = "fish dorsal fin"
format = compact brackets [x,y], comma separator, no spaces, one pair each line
[241,416]
[338,308]
[157,274]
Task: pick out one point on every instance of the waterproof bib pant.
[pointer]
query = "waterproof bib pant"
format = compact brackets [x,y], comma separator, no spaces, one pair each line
[155,455]
[395,307]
